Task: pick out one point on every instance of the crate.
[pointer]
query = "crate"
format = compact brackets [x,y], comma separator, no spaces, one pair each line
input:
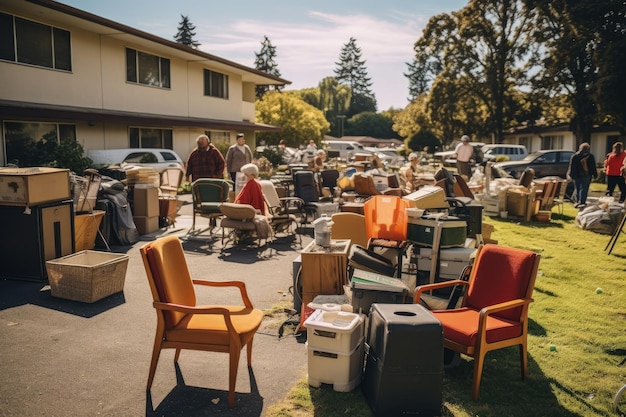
[33,186]
[338,331]
[343,370]
[543,216]
[87,276]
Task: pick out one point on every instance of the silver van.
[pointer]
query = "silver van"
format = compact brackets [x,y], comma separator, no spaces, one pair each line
[343,149]
[512,152]
[159,159]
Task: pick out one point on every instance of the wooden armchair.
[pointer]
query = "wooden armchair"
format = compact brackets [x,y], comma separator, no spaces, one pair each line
[494,314]
[183,324]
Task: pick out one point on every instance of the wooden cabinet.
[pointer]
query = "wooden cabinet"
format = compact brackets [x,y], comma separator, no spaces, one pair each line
[324,270]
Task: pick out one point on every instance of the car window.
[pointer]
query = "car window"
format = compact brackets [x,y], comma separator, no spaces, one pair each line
[547,158]
[168,156]
[141,157]
[566,156]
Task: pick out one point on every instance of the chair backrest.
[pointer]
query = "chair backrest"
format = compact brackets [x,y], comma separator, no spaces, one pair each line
[527,177]
[209,190]
[237,211]
[385,217]
[172,178]
[271,195]
[351,226]
[168,275]
[461,188]
[305,187]
[329,178]
[502,274]
[364,185]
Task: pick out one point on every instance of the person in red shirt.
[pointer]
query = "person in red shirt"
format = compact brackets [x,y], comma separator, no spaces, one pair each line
[614,176]
[206,161]
[251,193]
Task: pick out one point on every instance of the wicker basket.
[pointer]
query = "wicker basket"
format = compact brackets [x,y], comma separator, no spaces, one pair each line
[87,276]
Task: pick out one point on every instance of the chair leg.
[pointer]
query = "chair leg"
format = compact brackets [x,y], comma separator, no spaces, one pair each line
[177,355]
[523,359]
[232,375]
[479,360]
[156,352]
[249,351]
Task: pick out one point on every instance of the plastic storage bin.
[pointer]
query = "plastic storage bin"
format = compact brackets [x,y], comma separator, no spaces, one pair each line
[338,331]
[404,367]
[344,370]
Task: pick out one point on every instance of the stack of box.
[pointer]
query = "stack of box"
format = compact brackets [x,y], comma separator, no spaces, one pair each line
[335,349]
[404,366]
[146,209]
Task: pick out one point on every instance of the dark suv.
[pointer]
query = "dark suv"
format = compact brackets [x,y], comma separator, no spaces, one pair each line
[546,163]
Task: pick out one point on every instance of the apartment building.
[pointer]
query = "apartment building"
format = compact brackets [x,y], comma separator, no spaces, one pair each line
[68,73]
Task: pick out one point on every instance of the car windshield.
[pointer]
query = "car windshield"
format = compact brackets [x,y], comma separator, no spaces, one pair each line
[532,156]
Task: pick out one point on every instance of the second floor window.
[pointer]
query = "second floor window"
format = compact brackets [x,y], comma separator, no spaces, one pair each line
[148,69]
[215,84]
[33,43]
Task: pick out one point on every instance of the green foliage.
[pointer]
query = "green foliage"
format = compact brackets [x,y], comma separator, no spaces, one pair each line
[47,152]
[370,124]
[422,139]
[265,61]
[351,71]
[186,33]
[300,121]
[273,155]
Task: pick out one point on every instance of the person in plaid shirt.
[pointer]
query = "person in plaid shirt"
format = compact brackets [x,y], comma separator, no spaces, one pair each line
[206,161]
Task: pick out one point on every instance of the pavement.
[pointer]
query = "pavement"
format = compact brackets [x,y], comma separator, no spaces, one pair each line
[67,358]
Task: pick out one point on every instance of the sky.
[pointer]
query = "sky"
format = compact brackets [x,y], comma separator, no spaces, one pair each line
[308,35]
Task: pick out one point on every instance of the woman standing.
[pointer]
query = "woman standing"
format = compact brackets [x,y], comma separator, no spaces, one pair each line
[613,165]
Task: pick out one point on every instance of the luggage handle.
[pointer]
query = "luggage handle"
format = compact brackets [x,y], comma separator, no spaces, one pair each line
[324,333]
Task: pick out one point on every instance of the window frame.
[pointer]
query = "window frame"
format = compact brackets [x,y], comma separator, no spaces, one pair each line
[165,141]
[164,70]
[58,51]
[210,80]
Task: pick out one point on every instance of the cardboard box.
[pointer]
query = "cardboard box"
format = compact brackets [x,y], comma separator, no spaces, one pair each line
[86,229]
[146,202]
[146,224]
[33,186]
[517,202]
[429,196]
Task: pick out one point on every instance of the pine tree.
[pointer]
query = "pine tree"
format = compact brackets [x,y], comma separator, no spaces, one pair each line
[265,62]
[186,32]
[351,71]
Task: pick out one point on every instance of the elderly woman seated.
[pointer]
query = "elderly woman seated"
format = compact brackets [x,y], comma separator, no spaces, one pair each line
[251,193]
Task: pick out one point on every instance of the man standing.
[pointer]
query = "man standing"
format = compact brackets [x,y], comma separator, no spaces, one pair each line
[206,161]
[237,156]
[464,152]
[582,169]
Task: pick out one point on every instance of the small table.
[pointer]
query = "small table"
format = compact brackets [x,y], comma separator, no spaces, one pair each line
[324,270]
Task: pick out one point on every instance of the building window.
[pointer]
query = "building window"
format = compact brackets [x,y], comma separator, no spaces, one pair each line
[552,142]
[33,43]
[145,137]
[148,69]
[218,137]
[21,138]
[526,141]
[215,84]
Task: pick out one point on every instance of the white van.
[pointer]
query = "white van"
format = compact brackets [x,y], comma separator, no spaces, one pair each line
[513,152]
[343,149]
[159,159]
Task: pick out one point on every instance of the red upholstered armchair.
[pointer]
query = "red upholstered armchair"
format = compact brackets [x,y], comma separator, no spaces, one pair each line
[494,314]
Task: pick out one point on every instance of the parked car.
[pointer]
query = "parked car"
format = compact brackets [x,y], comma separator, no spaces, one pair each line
[159,159]
[512,152]
[545,163]
[343,149]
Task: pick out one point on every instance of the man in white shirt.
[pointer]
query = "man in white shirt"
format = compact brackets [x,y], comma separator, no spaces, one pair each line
[464,152]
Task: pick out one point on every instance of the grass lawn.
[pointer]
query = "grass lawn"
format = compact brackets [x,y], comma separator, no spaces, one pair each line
[579,308]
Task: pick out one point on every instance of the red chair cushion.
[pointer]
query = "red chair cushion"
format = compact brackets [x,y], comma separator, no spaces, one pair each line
[461,326]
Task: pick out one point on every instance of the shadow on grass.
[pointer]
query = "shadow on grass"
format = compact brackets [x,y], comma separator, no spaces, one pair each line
[188,401]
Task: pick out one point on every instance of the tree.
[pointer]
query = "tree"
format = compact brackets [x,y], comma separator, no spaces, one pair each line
[371,124]
[186,33]
[351,71]
[334,101]
[300,121]
[475,56]
[265,62]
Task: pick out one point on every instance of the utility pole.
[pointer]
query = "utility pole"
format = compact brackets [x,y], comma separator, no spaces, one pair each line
[341,118]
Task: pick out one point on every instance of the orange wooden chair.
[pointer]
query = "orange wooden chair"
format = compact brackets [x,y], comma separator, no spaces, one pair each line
[182,323]
[494,314]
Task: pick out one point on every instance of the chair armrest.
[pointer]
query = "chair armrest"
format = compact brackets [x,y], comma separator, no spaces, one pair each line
[428,287]
[289,201]
[485,312]
[199,310]
[239,284]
